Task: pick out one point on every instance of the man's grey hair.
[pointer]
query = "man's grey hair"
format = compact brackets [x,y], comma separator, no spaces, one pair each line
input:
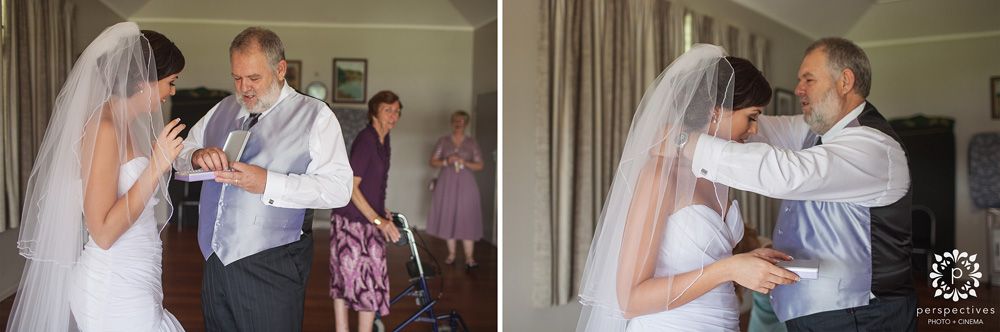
[842,53]
[267,40]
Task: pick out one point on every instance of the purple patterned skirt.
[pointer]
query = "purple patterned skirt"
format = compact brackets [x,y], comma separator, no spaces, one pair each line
[358,272]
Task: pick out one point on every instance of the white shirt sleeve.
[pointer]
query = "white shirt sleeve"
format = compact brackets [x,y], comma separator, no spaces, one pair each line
[861,165]
[328,180]
[787,131]
[194,141]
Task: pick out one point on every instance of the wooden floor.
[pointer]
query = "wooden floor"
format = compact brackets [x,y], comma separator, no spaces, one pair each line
[473,294]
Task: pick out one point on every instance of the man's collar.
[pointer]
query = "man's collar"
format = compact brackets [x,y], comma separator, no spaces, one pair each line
[835,130]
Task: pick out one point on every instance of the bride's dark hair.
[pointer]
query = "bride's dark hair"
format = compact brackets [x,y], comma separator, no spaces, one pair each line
[167,59]
[750,89]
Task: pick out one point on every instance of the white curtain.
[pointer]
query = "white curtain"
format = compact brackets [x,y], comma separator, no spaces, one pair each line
[758,211]
[600,56]
[36,59]
[704,29]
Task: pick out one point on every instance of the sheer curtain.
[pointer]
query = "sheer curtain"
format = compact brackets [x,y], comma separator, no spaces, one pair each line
[36,59]
[758,211]
[600,57]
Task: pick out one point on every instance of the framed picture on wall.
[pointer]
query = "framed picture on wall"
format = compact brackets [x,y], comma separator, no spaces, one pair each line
[784,102]
[350,80]
[294,74]
[995,97]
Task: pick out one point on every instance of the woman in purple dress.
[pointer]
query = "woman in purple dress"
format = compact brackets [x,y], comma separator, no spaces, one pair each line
[359,279]
[455,212]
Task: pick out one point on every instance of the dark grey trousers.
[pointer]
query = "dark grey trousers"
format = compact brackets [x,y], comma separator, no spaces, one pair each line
[885,313]
[261,292]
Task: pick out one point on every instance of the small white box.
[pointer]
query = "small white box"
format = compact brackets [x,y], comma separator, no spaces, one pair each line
[235,143]
[805,268]
[194,176]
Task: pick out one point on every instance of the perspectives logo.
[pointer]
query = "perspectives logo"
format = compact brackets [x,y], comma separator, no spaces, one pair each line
[947,273]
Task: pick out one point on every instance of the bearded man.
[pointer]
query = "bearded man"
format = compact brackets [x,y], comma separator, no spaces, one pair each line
[252,226]
[843,176]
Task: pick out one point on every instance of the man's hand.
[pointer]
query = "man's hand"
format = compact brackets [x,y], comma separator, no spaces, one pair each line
[248,177]
[212,159]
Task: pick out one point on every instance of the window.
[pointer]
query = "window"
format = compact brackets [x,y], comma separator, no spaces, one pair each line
[688,26]
[3,28]
[4,44]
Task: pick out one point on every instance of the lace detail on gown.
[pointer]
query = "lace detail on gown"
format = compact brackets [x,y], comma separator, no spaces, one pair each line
[697,236]
[120,289]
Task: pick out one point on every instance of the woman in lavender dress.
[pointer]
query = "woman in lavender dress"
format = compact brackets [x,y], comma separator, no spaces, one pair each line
[358,232]
[455,212]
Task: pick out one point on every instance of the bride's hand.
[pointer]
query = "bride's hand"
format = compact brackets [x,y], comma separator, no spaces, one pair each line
[167,146]
[756,270]
[771,255]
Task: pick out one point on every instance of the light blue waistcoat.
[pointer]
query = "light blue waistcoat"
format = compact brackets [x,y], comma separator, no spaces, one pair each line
[836,234]
[234,223]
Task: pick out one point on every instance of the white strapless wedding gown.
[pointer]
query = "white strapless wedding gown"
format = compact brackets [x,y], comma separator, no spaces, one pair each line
[119,289]
[697,236]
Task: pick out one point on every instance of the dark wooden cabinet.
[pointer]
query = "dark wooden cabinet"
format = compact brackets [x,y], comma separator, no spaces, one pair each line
[190,105]
[930,150]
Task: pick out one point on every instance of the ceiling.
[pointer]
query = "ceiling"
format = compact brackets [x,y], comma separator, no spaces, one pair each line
[864,21]
[883,21]
[446,14]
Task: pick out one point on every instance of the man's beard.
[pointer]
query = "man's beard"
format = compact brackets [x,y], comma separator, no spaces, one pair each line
[820,120]
[264,100]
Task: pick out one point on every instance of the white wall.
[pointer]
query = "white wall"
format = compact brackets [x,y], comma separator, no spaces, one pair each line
[431,70]
[944,78]
[522,92]
[92,17]
[485,61]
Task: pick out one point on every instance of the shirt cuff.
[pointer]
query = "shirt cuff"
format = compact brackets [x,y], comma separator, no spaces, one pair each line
[274,188]
[708,156]
[183,161]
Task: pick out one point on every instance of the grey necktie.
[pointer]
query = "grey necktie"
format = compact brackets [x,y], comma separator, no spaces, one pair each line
[253,120]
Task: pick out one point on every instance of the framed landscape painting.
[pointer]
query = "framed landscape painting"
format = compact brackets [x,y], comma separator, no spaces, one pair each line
[294,74]
[350,80]
[784,102]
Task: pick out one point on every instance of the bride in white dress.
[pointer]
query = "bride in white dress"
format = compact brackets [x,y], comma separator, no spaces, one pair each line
[118,288]
[98,192]
[661,259]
